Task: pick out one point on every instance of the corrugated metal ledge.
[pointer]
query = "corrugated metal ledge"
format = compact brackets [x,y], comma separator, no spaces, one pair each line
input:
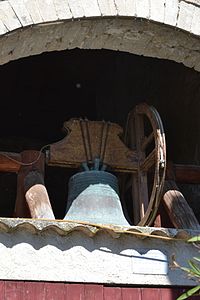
[64,227]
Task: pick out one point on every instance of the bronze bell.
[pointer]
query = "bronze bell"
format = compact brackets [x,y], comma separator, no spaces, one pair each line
[93,196]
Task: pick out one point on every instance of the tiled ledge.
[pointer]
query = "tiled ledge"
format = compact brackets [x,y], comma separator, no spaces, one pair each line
[64,227]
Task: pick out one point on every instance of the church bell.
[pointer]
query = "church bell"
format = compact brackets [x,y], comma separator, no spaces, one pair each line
[93,196]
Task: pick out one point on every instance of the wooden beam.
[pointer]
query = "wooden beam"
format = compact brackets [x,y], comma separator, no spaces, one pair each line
[147,141]
[10,162]
[187,173]
[149,161]
[178,210]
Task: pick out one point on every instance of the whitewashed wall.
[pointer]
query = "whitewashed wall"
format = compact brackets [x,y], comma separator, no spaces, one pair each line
[58,251]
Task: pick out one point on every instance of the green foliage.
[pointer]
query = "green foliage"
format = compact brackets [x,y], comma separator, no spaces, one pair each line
[193,272]
[194,239]
[189,293]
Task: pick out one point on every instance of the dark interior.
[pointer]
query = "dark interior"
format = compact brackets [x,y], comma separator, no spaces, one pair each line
[39,93]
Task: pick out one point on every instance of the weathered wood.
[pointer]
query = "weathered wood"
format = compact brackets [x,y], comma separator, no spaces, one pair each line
[27,157]
[143,197]
[162,218]
[94,291]
[75,291]
[70,151]
[31,290]
[55,291]
[147,140]
[110,293]
[151,293]
[158,221]
[10,162]
[34,290]
[138,138]
[187,173]
[37,197]
[179,212]
[149,161]
[13,290]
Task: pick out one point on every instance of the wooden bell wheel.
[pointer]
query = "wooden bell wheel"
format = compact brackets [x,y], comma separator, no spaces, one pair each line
[145,135]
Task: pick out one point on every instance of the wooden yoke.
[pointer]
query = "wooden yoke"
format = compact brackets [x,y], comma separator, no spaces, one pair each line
[71,151]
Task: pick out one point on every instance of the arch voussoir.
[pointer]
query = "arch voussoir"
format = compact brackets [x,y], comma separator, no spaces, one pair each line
[8,16]
[107,8]
[29,27]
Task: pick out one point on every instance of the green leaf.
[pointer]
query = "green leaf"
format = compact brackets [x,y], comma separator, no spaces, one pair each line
[194,267]
[196,258]
[190,272]
[194,239]
[187,270]
[183,296]
[189,293]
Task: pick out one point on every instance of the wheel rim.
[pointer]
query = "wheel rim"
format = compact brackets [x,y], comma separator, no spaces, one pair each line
[136,139]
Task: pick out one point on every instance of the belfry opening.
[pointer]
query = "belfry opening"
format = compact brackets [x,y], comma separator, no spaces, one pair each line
[40,92]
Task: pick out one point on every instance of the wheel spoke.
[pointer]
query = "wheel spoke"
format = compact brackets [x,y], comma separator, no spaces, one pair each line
[147,140]
[149,161]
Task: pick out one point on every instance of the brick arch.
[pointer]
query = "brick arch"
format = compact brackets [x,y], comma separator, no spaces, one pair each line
[168,29]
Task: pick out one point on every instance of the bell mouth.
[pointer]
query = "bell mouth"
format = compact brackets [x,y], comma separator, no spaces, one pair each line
[94,197]
[80,181]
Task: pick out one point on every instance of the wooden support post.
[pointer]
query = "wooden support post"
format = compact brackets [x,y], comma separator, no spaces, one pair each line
[162,219]
[21,208]
[158,221]
[37,197]
[179,212]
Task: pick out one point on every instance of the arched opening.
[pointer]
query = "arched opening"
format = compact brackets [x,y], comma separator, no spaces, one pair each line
[40,92]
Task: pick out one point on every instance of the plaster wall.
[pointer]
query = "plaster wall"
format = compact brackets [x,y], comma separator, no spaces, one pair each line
[76,257]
